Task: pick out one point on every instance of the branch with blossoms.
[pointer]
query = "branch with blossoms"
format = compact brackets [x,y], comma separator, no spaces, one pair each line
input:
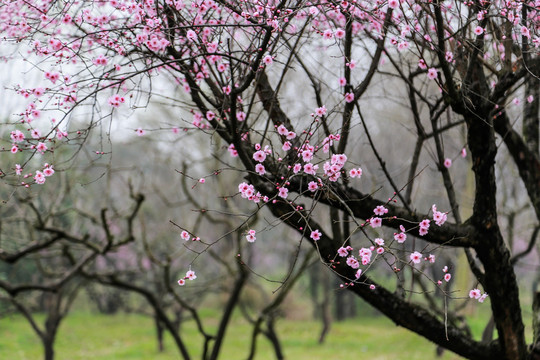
[243,68]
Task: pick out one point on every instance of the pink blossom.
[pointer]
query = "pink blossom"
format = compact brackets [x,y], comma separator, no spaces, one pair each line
[283,192]
[14,149]
[286,146]
[447,277]
[372,287]
[320,111]
[393,4]
[340,33]
[259,156]
[191,275]
[282,130]
[140,132]
[241,116]
[431,258]
[250,237]
[327,34]
[447,163]
[478,30]
[232,150]
[310,169]
[358,274]
[380,250]
[41,147]
[315,235]
[191,35]
[375,222]
[463,153]
[352,262]
[36,134]
[475,294]
[290,135]
[416,257]
[379,241]
[48,170]
[267,60]
[400,237]
[181,282]
[184,235]
[380,210]
[432,74]
[482,298]
[313,186]
[525,31]
[202,180]
[307,155]
[342,252]
[349,97]
[259,168]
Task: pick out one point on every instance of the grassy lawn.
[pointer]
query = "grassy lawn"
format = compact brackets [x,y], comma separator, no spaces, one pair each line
[85,335]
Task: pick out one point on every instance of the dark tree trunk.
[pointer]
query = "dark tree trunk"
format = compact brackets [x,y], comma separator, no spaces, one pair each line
[48,348]
[159,333]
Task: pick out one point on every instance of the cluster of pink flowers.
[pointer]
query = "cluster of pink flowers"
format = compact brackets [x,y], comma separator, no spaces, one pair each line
[365,255]
[447,275]
[329,141]
[247,191]
[355,173]
[40,176]
[17,136]
[282,130]
[332,169]
[101,60]
[250,237]
[424,227]
[477,294]
[438,217]
[190,275]
[116,100]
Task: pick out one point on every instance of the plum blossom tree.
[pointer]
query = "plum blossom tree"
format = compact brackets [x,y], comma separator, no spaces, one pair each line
[289,86]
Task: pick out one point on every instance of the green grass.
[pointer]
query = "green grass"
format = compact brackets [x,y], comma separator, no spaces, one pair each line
[85,335]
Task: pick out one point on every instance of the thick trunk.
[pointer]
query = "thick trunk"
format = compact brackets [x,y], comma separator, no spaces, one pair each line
[500,282]
[48,348]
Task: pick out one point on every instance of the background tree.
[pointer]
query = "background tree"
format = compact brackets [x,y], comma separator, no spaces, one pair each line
[289,86]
